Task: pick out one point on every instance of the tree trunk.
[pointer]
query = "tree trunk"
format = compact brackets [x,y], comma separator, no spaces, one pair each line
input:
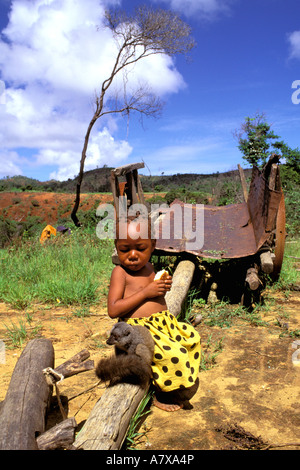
[23,411]
[76,204]
[81,171]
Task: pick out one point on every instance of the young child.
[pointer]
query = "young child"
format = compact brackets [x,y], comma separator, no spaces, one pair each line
[136,298]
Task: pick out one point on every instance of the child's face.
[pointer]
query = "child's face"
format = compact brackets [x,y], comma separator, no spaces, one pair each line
[134,254]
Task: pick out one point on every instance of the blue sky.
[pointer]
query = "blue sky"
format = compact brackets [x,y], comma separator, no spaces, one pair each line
[52,58]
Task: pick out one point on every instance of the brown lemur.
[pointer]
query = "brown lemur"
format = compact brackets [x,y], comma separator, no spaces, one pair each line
[134,348]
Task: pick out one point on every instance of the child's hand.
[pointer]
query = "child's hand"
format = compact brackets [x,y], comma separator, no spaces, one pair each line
[157,288]
[168,283]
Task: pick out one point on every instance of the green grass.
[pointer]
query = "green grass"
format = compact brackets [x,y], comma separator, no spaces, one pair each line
[134,436]
[17,333]
[289,275]
[209,352]
[68,269]
[76,269]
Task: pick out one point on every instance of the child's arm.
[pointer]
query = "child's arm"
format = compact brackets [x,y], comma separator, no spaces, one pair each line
[118,306]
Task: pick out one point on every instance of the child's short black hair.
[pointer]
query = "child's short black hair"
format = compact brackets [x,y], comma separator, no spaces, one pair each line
[138,219]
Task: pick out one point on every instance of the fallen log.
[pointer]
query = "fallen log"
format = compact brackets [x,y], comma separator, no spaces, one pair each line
[108,423]
[76,364]
[181,282]
[60,437]
[22,414]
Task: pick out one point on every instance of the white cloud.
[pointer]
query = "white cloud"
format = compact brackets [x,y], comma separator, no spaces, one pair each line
[205,9]
[54,54]
[57,43]
[103,149]
[10,163]
[294,40]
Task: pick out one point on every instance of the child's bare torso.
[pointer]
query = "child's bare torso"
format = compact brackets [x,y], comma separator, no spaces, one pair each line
[134,281]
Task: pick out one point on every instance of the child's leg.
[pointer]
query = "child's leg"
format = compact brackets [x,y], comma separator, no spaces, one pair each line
[175,400]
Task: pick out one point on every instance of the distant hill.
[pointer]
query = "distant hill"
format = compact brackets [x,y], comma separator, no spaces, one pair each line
[94,181]
[98,181]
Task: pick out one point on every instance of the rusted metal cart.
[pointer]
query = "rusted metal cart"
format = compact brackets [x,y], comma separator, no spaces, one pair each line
[238,231]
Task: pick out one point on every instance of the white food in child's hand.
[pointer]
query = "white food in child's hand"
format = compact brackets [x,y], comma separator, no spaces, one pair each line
[163,274]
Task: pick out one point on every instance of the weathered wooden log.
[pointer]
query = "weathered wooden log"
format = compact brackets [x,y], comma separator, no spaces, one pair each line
[60,437]
[107,425]
[181,282]
[73,366]
[266,262]
[76,364]
[252,280]
[23,411]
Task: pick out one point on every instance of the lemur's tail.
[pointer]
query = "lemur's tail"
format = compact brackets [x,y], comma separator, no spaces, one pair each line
[123,368]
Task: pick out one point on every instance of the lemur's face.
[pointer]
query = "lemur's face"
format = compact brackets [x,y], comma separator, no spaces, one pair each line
[117,334]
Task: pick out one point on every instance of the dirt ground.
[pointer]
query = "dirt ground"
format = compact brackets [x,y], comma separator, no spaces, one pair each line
[49,206]
[251,392]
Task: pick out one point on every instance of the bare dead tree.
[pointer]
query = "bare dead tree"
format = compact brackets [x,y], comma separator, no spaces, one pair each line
[147,32]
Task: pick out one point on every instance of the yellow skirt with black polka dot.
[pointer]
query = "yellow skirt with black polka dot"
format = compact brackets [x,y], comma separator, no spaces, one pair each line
[177,350]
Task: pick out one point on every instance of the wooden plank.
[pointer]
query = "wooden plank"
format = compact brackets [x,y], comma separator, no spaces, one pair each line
[273,176]
[22,415]
[131,191]
[243,182]
[140,190]
[280,238]
[107,425]
[135,186]
[122,170]
[115,191]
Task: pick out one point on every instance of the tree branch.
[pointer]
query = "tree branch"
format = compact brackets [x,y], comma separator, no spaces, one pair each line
[154,32]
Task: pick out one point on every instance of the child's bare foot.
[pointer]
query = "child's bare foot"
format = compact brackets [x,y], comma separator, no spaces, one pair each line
[167,406]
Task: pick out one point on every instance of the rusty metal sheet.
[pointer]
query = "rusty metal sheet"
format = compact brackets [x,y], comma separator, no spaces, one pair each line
[227,232]
[232,231]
